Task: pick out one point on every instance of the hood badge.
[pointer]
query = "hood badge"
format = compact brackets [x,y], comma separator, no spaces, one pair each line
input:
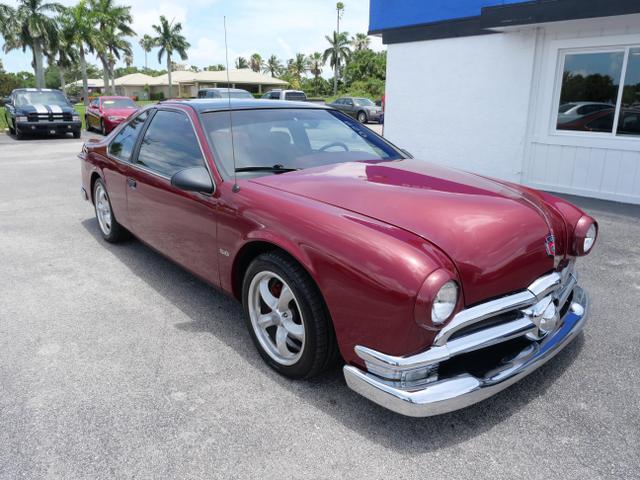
[550,245]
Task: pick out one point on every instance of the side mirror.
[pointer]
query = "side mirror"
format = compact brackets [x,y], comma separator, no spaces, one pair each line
[5,101]
[194,179]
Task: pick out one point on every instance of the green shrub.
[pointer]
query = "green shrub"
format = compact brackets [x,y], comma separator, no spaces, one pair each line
[157,96]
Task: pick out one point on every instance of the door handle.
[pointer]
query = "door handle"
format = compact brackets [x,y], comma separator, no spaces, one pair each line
[131,183]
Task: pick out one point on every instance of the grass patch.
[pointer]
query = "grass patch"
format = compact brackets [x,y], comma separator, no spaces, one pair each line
[3,122]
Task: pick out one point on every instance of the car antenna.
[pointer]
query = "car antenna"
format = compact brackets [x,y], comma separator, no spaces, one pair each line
[236,187]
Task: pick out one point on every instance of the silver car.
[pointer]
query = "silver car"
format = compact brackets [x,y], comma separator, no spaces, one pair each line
[363,109]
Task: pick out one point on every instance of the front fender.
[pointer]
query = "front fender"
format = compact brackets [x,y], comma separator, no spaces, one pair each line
[368,272]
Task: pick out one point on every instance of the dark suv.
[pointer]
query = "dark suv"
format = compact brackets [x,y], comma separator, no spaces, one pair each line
[40,111]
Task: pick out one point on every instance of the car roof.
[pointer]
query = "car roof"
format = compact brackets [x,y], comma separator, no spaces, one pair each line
[217,104]
[106,97]
[36,90]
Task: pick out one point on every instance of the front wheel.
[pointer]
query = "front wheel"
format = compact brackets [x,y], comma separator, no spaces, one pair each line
[110,229]
[103,130]
[287,318]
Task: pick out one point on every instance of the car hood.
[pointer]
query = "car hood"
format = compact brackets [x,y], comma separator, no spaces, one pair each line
[44,109]
[119,112]
[493,232]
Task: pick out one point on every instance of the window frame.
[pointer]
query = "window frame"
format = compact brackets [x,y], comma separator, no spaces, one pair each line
[151,113]
[557,91]
[136,150]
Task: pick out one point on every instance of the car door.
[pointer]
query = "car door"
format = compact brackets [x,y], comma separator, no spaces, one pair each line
[349,107]
[179,224]
[118,168]
[9,111]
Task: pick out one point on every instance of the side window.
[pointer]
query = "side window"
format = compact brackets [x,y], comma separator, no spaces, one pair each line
[169,144]
[94,103]
[122,146]
[275,95]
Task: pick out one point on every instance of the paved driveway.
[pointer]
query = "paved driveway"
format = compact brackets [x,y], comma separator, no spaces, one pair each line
[115,363]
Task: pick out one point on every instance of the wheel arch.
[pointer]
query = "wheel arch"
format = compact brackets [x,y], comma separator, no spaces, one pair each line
[92,182]
[251,250]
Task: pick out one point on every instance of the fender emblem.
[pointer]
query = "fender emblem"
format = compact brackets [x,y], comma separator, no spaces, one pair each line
[224,252]
[550,245]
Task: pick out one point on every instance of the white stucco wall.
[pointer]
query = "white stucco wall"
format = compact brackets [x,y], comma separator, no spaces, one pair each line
[487,104]
[462,101]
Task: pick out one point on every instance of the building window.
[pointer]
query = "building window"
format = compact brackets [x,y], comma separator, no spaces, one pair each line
[600,92]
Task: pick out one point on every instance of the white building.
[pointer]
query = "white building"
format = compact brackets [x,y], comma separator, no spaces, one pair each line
[545,93]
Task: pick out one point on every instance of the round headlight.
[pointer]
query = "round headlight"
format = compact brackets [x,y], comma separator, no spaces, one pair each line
[589,238]
[445,302]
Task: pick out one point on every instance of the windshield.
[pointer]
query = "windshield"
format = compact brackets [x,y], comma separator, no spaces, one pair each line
[364,102]
[290,139]
[40,98]
[233,94]
[119,103]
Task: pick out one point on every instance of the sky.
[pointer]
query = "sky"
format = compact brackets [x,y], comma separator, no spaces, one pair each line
[280,27]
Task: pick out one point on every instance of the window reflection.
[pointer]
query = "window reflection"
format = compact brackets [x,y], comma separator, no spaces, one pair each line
[589,92]
[629,120]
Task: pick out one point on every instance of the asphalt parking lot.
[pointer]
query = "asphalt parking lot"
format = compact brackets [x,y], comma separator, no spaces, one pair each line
[115,363]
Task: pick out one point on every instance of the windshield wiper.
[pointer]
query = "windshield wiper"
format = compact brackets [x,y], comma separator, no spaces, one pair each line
[276,169]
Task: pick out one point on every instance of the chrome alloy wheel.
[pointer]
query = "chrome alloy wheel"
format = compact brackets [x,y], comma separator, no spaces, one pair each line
[103,209]
[276,318]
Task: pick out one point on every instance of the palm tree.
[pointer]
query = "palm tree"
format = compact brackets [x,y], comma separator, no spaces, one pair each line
[241,62]
[29,26]
[113,23]
[316,62]
[298,66]
[147,43]
[170,40]
[64,53]
[77,23]
[360,42]
[128,59]
[256,63]
[273,66]
[338,54]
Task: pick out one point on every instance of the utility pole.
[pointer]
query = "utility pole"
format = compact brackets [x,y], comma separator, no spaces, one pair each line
[339,12]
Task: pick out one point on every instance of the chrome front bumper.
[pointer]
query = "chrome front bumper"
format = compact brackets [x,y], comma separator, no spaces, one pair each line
[391,381]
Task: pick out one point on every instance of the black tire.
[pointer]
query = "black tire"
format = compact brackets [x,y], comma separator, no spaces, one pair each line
[103,130]
[12,131]
[320,350]
[116,232]
[19,134]
[362,117]
[76,134]
[86,123]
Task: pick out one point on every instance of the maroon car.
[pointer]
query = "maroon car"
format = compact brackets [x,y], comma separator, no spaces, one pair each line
[436,287]
[106,113]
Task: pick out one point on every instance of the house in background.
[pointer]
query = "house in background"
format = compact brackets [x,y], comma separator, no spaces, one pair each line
[186,83]
[544,93]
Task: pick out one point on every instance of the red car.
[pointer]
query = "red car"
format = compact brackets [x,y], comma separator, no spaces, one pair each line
[106,113]
[436,287]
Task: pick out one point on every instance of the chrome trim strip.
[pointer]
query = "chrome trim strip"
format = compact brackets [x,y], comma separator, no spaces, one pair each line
[463,390]
[535,292]
[475,341]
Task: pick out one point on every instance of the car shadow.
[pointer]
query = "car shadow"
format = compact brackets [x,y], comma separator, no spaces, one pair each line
[328,392]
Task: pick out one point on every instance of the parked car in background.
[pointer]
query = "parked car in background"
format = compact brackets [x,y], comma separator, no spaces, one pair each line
[223,93]
[568,112]
[319,227]
[279,94]
[40,111]
[363,109]
[106,113]
[602,121]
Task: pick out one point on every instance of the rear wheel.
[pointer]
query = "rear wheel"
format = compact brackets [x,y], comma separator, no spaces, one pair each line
[362,117]
[287,318]
[110,229]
